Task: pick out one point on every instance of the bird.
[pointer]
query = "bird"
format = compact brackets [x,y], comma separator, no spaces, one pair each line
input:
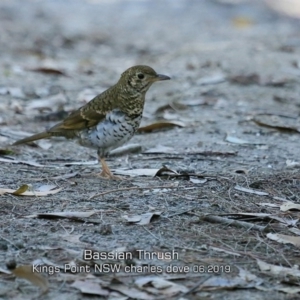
[110,119]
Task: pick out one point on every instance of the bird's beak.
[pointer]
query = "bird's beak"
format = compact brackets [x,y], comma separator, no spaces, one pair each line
[162,77]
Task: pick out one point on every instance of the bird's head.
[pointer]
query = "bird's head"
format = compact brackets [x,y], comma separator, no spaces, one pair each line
[140,78]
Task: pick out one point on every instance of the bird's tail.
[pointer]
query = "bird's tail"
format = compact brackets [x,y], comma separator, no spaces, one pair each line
[38,136]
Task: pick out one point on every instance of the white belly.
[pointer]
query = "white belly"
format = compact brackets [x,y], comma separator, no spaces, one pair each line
[111,133]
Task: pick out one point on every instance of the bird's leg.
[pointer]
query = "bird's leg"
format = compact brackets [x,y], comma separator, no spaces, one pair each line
[106,172]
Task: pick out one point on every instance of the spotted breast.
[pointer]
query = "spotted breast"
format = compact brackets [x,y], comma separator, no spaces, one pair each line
[114,131]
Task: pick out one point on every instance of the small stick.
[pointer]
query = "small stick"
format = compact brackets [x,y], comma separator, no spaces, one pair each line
[236,223]
[151,233]
[133,188]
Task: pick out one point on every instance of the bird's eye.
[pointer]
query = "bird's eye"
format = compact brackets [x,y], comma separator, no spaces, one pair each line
[141,76]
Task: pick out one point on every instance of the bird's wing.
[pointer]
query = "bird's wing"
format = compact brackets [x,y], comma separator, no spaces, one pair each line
[79,120]
[87,116]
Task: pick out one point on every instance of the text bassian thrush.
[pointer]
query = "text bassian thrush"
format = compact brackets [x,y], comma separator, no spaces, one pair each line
[110,119]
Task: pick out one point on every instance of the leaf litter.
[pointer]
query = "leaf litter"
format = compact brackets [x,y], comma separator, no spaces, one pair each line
[285,239]
[26,190]
[47,70]
[75,215]
[142,219]
[161,125]
[279,122]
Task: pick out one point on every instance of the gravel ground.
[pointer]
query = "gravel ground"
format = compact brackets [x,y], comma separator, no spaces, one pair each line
[224,165]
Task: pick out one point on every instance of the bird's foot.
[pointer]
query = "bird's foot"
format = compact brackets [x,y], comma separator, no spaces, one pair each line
[110,176]
[106,172]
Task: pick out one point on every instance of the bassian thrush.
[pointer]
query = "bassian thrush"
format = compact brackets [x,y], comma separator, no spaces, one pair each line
[110,119]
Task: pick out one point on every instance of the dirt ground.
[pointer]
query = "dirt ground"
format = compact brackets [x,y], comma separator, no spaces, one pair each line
[225,200]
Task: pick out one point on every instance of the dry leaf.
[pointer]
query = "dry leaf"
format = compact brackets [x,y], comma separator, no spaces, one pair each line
[165,171]
[295,230]
[284,239]
[90,287]
[251,191]
[197,181]
[14,161]
[218,283]
[256,79]
[45,187]
[160,149]
[131,292]
[257,215]
[268,204]
[287,289]
[289,206]
[163,286]
[35,278]
[23,191]
[65,214]
[286,221]
[45,70]
[278,270]
[161,125]
[212,153]
[241,171]
[279,198]
[143,219]
[279,122]
[137,172]
[81,163]
[235,140]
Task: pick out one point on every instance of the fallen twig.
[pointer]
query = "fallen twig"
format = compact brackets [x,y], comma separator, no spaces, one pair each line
[134,188]
[251,191]
[216,219]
